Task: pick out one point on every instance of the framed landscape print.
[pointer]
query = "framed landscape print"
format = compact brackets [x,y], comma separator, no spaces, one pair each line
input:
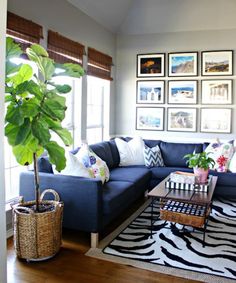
[183,64]
[182,119]
[216,120]
[182,92]
[150,118]
[217,91]
[150,92]
[217,63]
[151,65]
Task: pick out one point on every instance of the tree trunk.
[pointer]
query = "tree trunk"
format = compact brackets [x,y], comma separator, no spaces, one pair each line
[36,181]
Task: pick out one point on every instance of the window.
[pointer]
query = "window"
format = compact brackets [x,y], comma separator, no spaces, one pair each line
[97,110]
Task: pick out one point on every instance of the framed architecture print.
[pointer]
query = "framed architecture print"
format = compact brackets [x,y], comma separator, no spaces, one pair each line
[150,92]
[216,120]
[217,63]
[150,118]
[182,92]
[182,119]
[216,91]
[183,64]
[151,65]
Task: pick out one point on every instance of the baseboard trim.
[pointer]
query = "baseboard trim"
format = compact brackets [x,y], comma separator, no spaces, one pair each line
[9,233]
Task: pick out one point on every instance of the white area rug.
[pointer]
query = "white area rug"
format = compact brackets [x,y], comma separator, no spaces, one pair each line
[173,252]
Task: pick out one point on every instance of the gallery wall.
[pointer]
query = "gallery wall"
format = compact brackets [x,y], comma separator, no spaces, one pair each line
[63,17]
[128,46]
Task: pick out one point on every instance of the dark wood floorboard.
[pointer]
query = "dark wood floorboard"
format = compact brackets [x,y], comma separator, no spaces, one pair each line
[72,266]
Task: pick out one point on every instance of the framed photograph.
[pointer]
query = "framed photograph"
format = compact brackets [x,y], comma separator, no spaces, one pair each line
[183,64]
[151,65]
[217,63]
[182,92]
[182,119]
[150,92]
[150,118]
[216,120]
[217,91]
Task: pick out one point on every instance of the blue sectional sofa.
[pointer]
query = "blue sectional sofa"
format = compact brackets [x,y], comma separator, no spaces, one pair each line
[90,205]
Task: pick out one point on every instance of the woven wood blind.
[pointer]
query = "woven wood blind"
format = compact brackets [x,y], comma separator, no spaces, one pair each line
[63,49]
[23,31]
[99,64]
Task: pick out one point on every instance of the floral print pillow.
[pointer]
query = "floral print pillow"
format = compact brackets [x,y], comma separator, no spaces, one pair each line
[221,153]
[92,162]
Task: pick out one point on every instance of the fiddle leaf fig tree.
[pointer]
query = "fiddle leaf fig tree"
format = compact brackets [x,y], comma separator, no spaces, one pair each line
[36,107]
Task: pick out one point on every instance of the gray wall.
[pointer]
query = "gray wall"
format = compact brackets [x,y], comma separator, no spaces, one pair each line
[128,46]
[61,16]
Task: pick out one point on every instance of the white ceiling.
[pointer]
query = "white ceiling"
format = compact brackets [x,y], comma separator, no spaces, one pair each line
[155,16]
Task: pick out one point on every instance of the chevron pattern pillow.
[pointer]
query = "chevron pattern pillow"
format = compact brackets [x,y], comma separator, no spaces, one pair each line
[153,157]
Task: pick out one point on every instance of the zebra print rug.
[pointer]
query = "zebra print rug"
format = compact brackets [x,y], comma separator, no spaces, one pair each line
[171,248]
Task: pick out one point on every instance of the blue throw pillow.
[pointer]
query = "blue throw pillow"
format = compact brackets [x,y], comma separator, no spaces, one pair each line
[153,157]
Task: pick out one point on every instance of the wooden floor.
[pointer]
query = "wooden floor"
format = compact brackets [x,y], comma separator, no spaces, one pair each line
[72,266]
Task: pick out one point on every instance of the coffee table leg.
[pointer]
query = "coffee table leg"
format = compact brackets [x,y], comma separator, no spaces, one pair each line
[152,208]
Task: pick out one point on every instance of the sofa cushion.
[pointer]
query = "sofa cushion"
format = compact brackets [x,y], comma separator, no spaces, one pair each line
[114,153]
[140,176]
[173,153]
[44,165]
[116,194]
[103,150]
[224,178]
[152,143]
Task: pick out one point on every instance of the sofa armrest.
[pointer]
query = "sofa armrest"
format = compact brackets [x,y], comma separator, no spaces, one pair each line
[82,198]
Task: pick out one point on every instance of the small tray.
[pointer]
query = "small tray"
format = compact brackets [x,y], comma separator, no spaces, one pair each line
[189,187]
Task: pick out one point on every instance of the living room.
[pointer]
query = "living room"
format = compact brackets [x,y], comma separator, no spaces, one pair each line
[160,28]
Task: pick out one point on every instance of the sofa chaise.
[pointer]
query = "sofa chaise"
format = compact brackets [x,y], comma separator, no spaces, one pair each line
[90,205]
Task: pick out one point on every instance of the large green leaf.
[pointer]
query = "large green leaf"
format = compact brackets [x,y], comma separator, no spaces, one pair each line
[30,107]
[55,107]
[23,154]
[14,114]
[48,67]
[56,155]
[23,132]
[11,132]
[63,88]
[65,135]
[25,73]
[39,50]
[71,70]
[11,68]
[40,131]
[13,49]
[35,89]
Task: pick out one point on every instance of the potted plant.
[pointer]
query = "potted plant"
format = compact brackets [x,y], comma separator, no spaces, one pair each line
[35,108]
[200,162]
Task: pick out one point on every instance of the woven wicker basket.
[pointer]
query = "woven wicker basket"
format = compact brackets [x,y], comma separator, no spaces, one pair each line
[37,236]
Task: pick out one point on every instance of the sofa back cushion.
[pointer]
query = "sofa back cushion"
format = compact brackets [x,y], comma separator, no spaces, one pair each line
[103,150]
[173,153]
[152,143]
[115,153]
[44,165]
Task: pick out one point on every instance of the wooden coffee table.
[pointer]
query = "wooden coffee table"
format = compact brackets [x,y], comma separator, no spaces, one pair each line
[189,208]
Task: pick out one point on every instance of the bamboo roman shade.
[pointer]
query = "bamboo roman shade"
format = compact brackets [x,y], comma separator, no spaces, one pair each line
[22,30]
[99,64]
[63,49]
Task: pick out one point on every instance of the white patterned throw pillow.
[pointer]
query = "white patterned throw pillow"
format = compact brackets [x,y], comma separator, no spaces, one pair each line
[153,157]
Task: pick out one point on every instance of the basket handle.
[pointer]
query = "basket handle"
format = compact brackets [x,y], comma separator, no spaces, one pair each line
[56,195]
[19,209]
